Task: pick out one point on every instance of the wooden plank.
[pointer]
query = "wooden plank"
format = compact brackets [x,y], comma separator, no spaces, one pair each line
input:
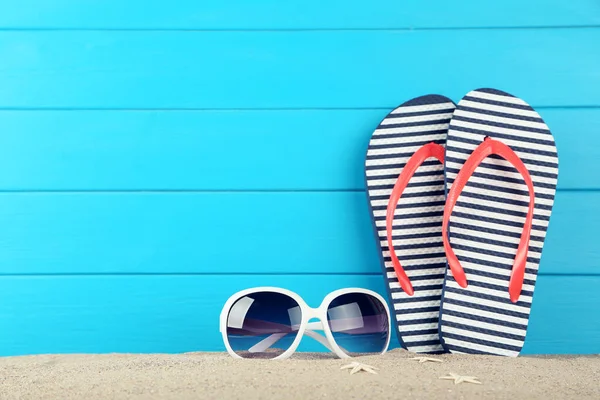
[243,150]
[297,69]
[308,14]
[564,320]
[233,232]
[172,150]
[102,314]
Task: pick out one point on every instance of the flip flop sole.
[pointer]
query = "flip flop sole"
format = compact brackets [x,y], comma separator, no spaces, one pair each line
[487,221]
[418,217]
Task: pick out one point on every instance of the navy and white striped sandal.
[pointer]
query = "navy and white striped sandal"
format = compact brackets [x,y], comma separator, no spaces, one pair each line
[405,186]
[501,170]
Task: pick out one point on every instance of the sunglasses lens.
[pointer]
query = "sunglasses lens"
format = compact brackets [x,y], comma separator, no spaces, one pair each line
[359,323]
[263,324]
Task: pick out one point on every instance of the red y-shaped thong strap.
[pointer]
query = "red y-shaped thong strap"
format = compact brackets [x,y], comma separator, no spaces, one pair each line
[488,147]
[425,152]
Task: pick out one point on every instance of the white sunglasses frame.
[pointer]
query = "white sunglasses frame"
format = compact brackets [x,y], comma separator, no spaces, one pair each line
[308,313]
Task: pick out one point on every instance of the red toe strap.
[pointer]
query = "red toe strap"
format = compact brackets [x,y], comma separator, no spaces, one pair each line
[484,150]
[425,152]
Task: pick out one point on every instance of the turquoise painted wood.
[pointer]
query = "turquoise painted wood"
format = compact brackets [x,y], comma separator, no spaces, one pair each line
[155,162]
[296,14]
[170,150]
[233,233]
[180,313]
[292,69]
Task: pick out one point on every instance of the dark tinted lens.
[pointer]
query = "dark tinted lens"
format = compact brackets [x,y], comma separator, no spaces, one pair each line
[359,323]
[263,325]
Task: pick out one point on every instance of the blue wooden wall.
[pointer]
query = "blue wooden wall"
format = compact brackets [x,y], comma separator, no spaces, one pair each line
[159,155]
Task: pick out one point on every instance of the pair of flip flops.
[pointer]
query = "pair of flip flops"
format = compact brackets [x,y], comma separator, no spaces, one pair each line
[461,197]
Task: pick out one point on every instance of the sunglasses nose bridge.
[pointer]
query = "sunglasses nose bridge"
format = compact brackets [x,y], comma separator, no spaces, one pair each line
[312,314]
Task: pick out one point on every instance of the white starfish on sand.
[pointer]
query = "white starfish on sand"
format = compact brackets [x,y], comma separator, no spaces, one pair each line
[357,367]
[421,360]
[460,379]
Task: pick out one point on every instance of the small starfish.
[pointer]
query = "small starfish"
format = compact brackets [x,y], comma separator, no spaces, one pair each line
[421,360]
[460,379]
[357,367]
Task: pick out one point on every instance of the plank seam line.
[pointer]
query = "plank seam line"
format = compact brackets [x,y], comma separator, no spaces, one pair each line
[268,30]
[216,191]
[243,109]
[116,274]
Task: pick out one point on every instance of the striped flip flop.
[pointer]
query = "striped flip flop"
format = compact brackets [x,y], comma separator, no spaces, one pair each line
[501,173]
[405,184]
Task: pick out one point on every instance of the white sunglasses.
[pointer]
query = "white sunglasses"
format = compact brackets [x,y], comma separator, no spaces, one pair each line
[269,322]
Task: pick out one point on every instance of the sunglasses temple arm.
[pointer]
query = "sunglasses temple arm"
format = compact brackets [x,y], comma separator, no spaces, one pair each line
[319,338]
[266,343]
[311,327]
[314,326]
[322,339]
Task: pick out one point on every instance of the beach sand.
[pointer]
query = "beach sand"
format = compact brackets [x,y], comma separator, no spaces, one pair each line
[305,376]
